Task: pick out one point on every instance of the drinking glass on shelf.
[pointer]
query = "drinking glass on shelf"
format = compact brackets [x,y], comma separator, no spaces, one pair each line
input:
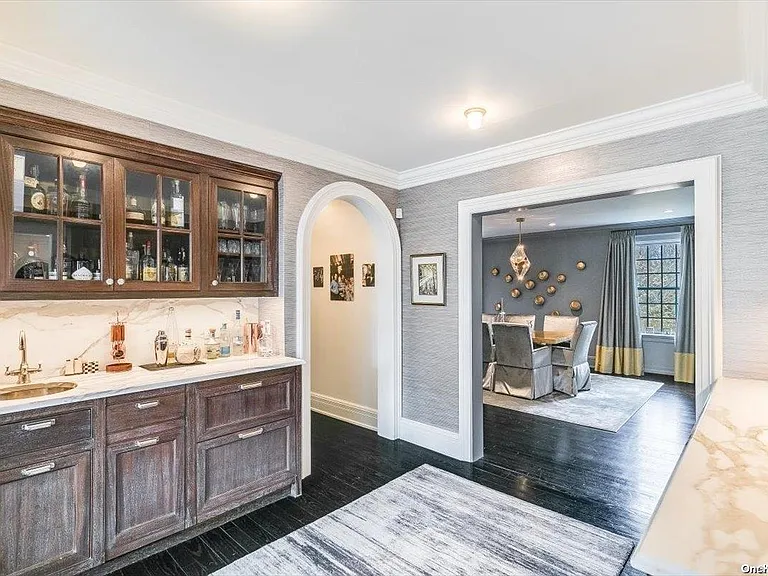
[222,246]
[224,215]
[233,246]
[235,209]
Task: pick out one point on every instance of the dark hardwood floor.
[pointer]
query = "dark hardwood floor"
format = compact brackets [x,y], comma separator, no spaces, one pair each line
[608,480]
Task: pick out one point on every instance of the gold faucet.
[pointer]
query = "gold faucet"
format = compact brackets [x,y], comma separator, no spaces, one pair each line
[24,370]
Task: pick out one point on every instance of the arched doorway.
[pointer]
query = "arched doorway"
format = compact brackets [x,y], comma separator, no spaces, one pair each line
[388,297]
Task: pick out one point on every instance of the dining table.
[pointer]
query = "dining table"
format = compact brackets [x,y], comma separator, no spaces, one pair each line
[551,337]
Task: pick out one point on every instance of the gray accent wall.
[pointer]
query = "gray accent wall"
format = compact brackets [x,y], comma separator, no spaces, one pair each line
[298,184]
[430,338]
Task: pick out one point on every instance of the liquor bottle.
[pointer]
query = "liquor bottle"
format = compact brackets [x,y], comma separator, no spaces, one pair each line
[265,339]
[169,271]
[66,273]
[132,210]
[182,266]
[225,341]
[148,266]
[97,271]
[176,218]
[37,197]
[80,206]
[132,260]
[212,346]
[237,336]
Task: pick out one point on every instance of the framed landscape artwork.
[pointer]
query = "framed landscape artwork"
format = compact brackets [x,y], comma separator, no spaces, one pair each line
[428,279]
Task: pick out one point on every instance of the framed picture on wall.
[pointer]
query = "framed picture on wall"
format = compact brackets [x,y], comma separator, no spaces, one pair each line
[342,277]
[317,276]
[428,279]
[369,275]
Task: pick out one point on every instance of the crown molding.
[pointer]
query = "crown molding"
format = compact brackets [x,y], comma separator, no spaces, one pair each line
[74,83]
[28,69]
[724,101]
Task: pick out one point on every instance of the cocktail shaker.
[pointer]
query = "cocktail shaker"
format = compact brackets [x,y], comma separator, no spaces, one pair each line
[161,348]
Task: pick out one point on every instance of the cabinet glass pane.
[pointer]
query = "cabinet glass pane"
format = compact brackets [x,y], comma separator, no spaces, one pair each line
[140,198]
[34,249]
[174,265]
[82,252]
[254,269]
[82,190]
[229,209]
[229,260]
[176,194]
[35,182]
[254,213]
[141,245]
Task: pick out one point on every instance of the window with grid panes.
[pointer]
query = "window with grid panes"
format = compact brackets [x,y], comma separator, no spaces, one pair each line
[657,269]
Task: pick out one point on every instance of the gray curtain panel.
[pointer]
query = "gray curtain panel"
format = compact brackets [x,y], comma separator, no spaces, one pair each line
[619,346]
[685,342]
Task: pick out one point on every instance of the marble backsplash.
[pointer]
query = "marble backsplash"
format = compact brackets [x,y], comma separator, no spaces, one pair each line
[61,329]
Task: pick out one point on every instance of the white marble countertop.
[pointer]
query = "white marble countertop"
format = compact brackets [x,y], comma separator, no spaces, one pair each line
[105,384]
[713,516]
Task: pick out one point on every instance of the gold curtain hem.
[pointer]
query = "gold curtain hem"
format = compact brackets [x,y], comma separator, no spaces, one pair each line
[624,361]
[685,367]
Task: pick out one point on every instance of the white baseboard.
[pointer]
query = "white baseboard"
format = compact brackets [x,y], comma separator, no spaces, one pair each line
[346,411]
[430,437]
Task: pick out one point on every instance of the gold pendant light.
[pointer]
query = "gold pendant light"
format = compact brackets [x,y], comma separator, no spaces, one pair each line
[519,259]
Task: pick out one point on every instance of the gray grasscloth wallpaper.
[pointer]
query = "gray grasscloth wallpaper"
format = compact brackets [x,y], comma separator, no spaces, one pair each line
[430,381]
[298,184]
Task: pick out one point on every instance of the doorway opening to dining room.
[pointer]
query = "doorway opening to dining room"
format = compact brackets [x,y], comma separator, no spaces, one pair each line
[349,311]
[613,349]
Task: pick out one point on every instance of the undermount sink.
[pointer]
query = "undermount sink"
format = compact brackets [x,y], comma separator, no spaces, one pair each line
[21,391]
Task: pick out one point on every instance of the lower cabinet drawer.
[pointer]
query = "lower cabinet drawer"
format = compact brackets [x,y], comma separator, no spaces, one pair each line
[45,516]
[33,433]
[235,469]
[145,496]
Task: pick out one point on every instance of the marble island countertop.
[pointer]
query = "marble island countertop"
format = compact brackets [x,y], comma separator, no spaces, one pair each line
[713,516]
[103,384]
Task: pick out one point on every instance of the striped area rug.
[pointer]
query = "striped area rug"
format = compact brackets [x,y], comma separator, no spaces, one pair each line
[429,521]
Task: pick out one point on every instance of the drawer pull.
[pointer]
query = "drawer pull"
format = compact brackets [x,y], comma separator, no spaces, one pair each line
[145,405]
[38,425]
[249,386]
[147,442]
[42,469]
[250,434]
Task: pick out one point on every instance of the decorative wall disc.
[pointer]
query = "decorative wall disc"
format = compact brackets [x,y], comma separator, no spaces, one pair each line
[575,305]
[561,278]
[539,300]
[515,293]
[551,290]
[543,275]
[581,265]
[555,313]
[508,278]
[494,271]
[530,284]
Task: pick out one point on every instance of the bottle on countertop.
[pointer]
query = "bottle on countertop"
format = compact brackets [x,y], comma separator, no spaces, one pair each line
[225,342]
[237,336]
[212,345]
[265,339]
[188,352]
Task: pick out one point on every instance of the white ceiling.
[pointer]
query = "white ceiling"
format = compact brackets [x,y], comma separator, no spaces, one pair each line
[630,209]
[387,82]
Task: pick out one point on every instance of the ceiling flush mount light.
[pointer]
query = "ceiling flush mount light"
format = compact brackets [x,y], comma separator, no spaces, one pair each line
[519,259]
[553,224]
[474,117]
[668,211]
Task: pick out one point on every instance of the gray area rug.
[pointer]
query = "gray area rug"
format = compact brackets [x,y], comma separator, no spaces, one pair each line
[607,406]
[432,522]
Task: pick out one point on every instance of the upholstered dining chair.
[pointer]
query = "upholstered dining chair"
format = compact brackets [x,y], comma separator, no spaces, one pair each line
[570,366]
[521,369]
[489,357]
[560,323]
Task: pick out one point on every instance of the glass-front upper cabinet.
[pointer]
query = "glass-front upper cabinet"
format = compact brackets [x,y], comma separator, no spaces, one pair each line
[243,216]
[158,228]
[57,237]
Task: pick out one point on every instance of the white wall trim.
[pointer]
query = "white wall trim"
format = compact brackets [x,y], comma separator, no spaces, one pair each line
[41,73]
[723,101]
[389,304]
[430,437]
[345,411]
[705,174]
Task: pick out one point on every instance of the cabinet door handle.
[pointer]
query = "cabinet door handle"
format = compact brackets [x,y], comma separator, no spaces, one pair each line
[251,434]
[253,385]
[109,281]
[38,425]
[120,281]
[147,442]
[35,470]
[214,282]
[145,405]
